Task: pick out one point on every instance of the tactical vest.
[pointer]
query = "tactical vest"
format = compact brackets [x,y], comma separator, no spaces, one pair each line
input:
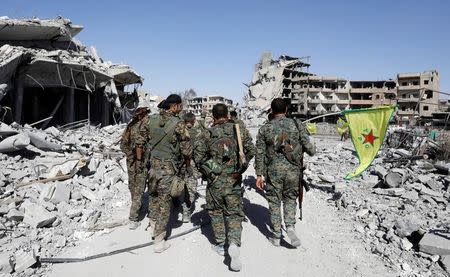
[284,140]
[163,142]
[223,147]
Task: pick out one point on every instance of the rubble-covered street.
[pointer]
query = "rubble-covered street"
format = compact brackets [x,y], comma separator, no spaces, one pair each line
[364,227]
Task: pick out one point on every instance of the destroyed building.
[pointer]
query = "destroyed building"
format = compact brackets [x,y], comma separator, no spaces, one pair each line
[46,74]
[311,95]
[199,105]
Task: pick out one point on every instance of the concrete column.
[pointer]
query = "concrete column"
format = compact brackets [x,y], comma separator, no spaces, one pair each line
[106,111]
[18,103]
[69,105]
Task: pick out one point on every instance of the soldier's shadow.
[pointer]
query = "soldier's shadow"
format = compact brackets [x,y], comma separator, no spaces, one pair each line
[258,216]
[201,217]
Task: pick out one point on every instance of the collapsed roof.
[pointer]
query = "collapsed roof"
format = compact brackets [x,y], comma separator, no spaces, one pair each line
[43,53]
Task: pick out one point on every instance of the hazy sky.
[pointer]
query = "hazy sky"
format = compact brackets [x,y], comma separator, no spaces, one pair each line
[212,46]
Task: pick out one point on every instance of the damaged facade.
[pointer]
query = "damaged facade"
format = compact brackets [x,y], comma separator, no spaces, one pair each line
[46,73]
[199,105]
[415,93]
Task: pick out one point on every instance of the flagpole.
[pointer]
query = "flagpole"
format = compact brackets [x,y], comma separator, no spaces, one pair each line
[320,116]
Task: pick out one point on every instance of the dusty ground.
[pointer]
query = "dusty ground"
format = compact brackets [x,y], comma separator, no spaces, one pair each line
[330,246]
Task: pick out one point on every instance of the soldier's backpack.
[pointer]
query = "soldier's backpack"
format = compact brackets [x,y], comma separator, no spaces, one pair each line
[223,150]
[286,139]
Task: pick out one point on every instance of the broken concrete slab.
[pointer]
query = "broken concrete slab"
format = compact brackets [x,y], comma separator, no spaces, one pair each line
[327,178]
[37,216]
[61,193]
[445,260]
[430,192]
[24,260]
[15,215]
[411,195]
[406,226]
[88,194]
[14,143]
[390,191]
[435,243]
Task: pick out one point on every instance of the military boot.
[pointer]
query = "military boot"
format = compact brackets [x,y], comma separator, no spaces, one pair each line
[219,249]
[186,214]
[295,241]
[161,244]
[234,253]
[275,241]
[134,225]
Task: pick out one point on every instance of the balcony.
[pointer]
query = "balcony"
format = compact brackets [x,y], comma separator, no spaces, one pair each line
[408,100]
[360,102]
[403,88]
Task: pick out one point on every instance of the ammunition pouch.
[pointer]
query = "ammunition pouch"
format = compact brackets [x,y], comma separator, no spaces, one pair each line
[211,169]
[177,186]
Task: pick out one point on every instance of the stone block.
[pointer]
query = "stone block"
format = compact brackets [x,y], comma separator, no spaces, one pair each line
[24,260]
[15,215]
[435,243]
[61,193]
[37,216]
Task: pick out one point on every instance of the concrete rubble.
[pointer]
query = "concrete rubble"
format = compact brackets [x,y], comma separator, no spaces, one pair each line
[53,198]
[400,205]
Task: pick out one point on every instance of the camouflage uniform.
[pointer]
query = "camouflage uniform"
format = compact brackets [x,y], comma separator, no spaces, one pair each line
[217,157]
[169,139]
[137,171]
[191,173]
[281,167]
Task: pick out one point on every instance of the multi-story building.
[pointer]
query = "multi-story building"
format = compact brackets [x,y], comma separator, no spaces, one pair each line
[198,105]
[418,93]
[313,95]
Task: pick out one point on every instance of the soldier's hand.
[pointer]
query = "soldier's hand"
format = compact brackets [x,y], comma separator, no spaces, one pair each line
[260,182]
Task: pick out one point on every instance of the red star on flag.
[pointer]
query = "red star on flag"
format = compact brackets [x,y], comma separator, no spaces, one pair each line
[369,138]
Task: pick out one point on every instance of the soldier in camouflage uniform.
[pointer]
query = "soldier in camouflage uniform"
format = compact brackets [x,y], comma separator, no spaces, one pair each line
[218,159]
[133,144]
[169,140]
[280,144]
[192,175]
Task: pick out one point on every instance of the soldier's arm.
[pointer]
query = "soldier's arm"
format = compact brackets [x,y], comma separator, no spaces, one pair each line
[305,141]
[201,148]
[260,166]
[184,138]
[249,147]
[141,137]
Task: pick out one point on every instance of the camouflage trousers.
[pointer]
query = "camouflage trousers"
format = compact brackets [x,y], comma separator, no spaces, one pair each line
[160,178]
[224,206]
[282,187]
[189,196]
[136,183]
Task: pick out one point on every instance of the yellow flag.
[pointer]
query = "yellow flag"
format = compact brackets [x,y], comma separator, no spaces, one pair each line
[368,129]
[311,127]
[341,126]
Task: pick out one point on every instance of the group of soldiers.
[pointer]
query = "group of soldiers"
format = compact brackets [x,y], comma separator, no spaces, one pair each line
[170,156]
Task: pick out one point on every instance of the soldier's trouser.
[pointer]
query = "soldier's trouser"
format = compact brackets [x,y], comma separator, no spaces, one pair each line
[188,197]
[282,186]
[136,184]
[162,173]
[224,206]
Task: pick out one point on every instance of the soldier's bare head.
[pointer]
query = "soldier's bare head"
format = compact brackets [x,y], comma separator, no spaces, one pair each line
[278,106]
[233,114]
[220,111]
[173,103]
[189,118]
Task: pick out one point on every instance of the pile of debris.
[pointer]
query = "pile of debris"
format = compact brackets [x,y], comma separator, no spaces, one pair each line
[400,204]
[42,57]
[56,188]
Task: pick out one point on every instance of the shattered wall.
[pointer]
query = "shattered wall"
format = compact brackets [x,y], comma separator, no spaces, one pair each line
[40,62]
